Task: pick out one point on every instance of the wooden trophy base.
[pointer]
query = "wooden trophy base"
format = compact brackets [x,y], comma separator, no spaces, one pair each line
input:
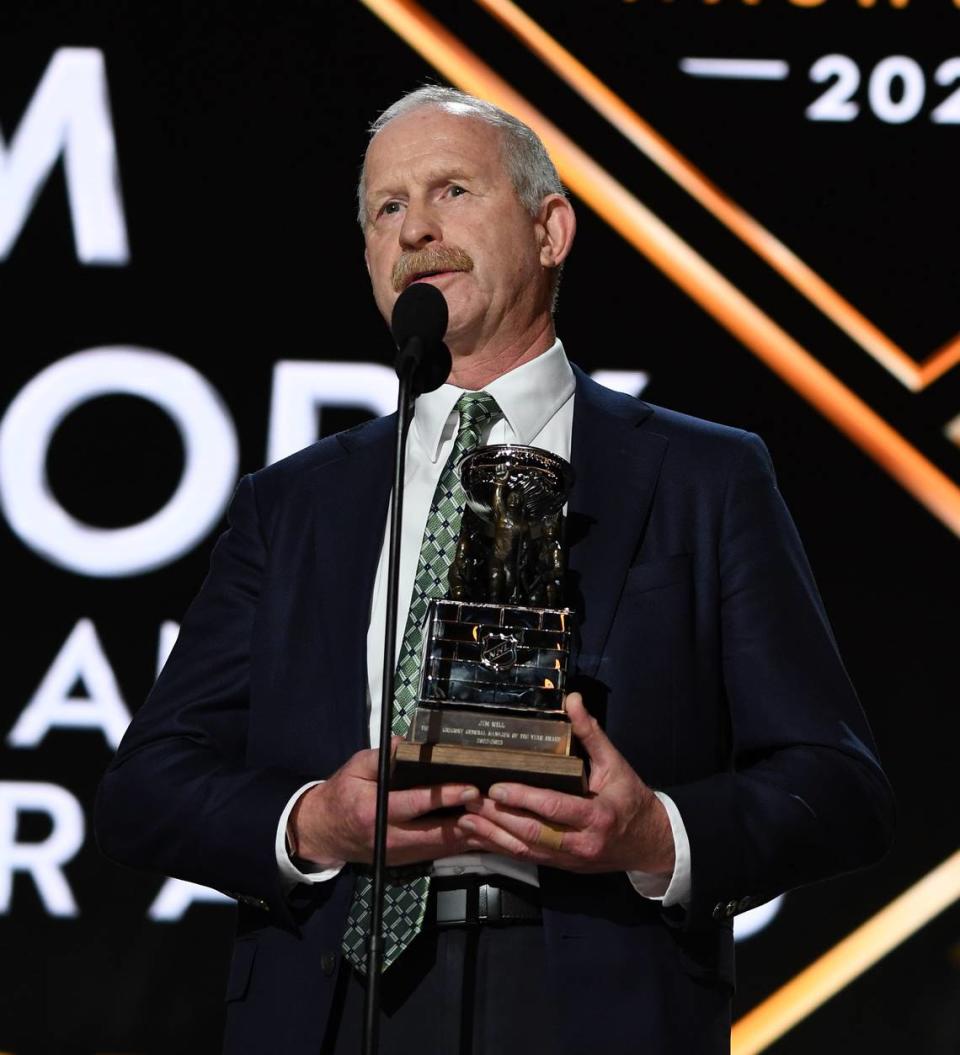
[423,764]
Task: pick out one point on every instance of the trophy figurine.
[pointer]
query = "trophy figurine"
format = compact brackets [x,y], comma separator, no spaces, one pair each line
[495,653]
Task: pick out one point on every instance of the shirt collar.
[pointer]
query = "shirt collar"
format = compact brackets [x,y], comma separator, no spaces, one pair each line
[529,396]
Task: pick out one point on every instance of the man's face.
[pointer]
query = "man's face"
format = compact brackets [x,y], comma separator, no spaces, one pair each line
[441,208]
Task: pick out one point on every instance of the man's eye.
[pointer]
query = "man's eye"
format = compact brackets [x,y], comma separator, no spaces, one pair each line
[455,191]
[391,208]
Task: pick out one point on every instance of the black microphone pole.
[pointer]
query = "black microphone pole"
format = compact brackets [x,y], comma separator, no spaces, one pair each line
[371,1008]
[423,364]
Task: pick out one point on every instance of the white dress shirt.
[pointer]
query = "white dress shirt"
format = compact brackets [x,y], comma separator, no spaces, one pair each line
[536,400]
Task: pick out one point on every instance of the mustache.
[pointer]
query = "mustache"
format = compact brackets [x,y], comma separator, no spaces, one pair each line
[433,258]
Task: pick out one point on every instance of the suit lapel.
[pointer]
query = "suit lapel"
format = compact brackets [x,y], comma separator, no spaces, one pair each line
[616,467]
[349,539]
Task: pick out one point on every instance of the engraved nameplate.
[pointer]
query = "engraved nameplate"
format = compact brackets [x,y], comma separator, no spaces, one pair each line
[446,725]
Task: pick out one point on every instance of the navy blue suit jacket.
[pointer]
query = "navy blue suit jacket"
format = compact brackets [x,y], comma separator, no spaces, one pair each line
[704,650]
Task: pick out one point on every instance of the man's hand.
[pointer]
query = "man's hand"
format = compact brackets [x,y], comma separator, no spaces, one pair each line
[620,825]
[334,821]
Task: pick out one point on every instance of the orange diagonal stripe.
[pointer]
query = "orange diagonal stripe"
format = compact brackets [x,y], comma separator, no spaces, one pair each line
[692,180]
[914,908]
[939,363]
[700,280]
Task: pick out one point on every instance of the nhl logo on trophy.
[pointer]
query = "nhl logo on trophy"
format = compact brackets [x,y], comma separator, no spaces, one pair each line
[496,649]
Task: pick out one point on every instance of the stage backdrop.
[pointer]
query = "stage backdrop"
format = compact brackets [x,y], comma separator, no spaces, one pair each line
[766,193]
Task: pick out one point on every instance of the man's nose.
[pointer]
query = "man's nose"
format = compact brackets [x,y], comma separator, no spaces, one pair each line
[419,227]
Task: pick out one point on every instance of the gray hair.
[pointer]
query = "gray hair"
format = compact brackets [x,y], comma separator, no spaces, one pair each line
[526,159]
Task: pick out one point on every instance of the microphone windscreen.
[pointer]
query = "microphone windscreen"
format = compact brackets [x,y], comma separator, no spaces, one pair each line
[432,370]
[420,311]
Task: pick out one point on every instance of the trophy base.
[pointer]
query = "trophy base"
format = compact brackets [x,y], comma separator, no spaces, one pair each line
[423,764]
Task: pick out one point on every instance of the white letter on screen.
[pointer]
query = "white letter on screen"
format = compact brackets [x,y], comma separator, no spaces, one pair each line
[209,472]
[51,707]
[757,919]
[176,896]
[630,382]
[43,860]
[169,632]
[300,389]
[69,114]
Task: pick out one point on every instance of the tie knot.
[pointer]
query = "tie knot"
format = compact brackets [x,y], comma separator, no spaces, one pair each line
[476,408]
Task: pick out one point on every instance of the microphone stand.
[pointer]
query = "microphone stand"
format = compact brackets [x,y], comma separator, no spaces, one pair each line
[412,353]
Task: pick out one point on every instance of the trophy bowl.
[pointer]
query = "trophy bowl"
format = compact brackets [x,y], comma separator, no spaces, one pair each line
[541,480]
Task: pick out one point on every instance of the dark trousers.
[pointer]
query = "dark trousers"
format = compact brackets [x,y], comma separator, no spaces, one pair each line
[465,990]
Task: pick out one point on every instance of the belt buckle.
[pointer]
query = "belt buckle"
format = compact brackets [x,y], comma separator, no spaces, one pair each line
[476,903]
[452,907]
[488,907]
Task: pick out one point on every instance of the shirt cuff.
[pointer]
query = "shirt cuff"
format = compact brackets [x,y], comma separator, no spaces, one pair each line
[290,875]
[675,889]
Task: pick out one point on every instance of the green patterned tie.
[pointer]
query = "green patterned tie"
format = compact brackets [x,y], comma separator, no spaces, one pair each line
[405,899]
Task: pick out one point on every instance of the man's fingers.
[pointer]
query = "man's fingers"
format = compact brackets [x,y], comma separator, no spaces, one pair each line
[554,806]
[587,730]
[364,764]
[527,828]
[424,839]
[415,802]
[495,836]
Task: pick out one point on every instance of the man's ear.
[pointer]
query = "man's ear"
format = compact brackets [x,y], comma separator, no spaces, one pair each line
[556,227]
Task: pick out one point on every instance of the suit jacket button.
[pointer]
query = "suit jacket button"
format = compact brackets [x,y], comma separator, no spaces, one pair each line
[731,909]
[718,910]
[328,963]
[745,903]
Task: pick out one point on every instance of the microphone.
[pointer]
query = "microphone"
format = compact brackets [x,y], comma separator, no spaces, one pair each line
[418,324]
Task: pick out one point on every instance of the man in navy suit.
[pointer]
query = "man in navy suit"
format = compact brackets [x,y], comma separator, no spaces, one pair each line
[729,757]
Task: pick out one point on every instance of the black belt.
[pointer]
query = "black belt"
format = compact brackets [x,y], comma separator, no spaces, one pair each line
[472,900]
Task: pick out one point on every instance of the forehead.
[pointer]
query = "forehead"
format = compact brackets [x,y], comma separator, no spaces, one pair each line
[431,139]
